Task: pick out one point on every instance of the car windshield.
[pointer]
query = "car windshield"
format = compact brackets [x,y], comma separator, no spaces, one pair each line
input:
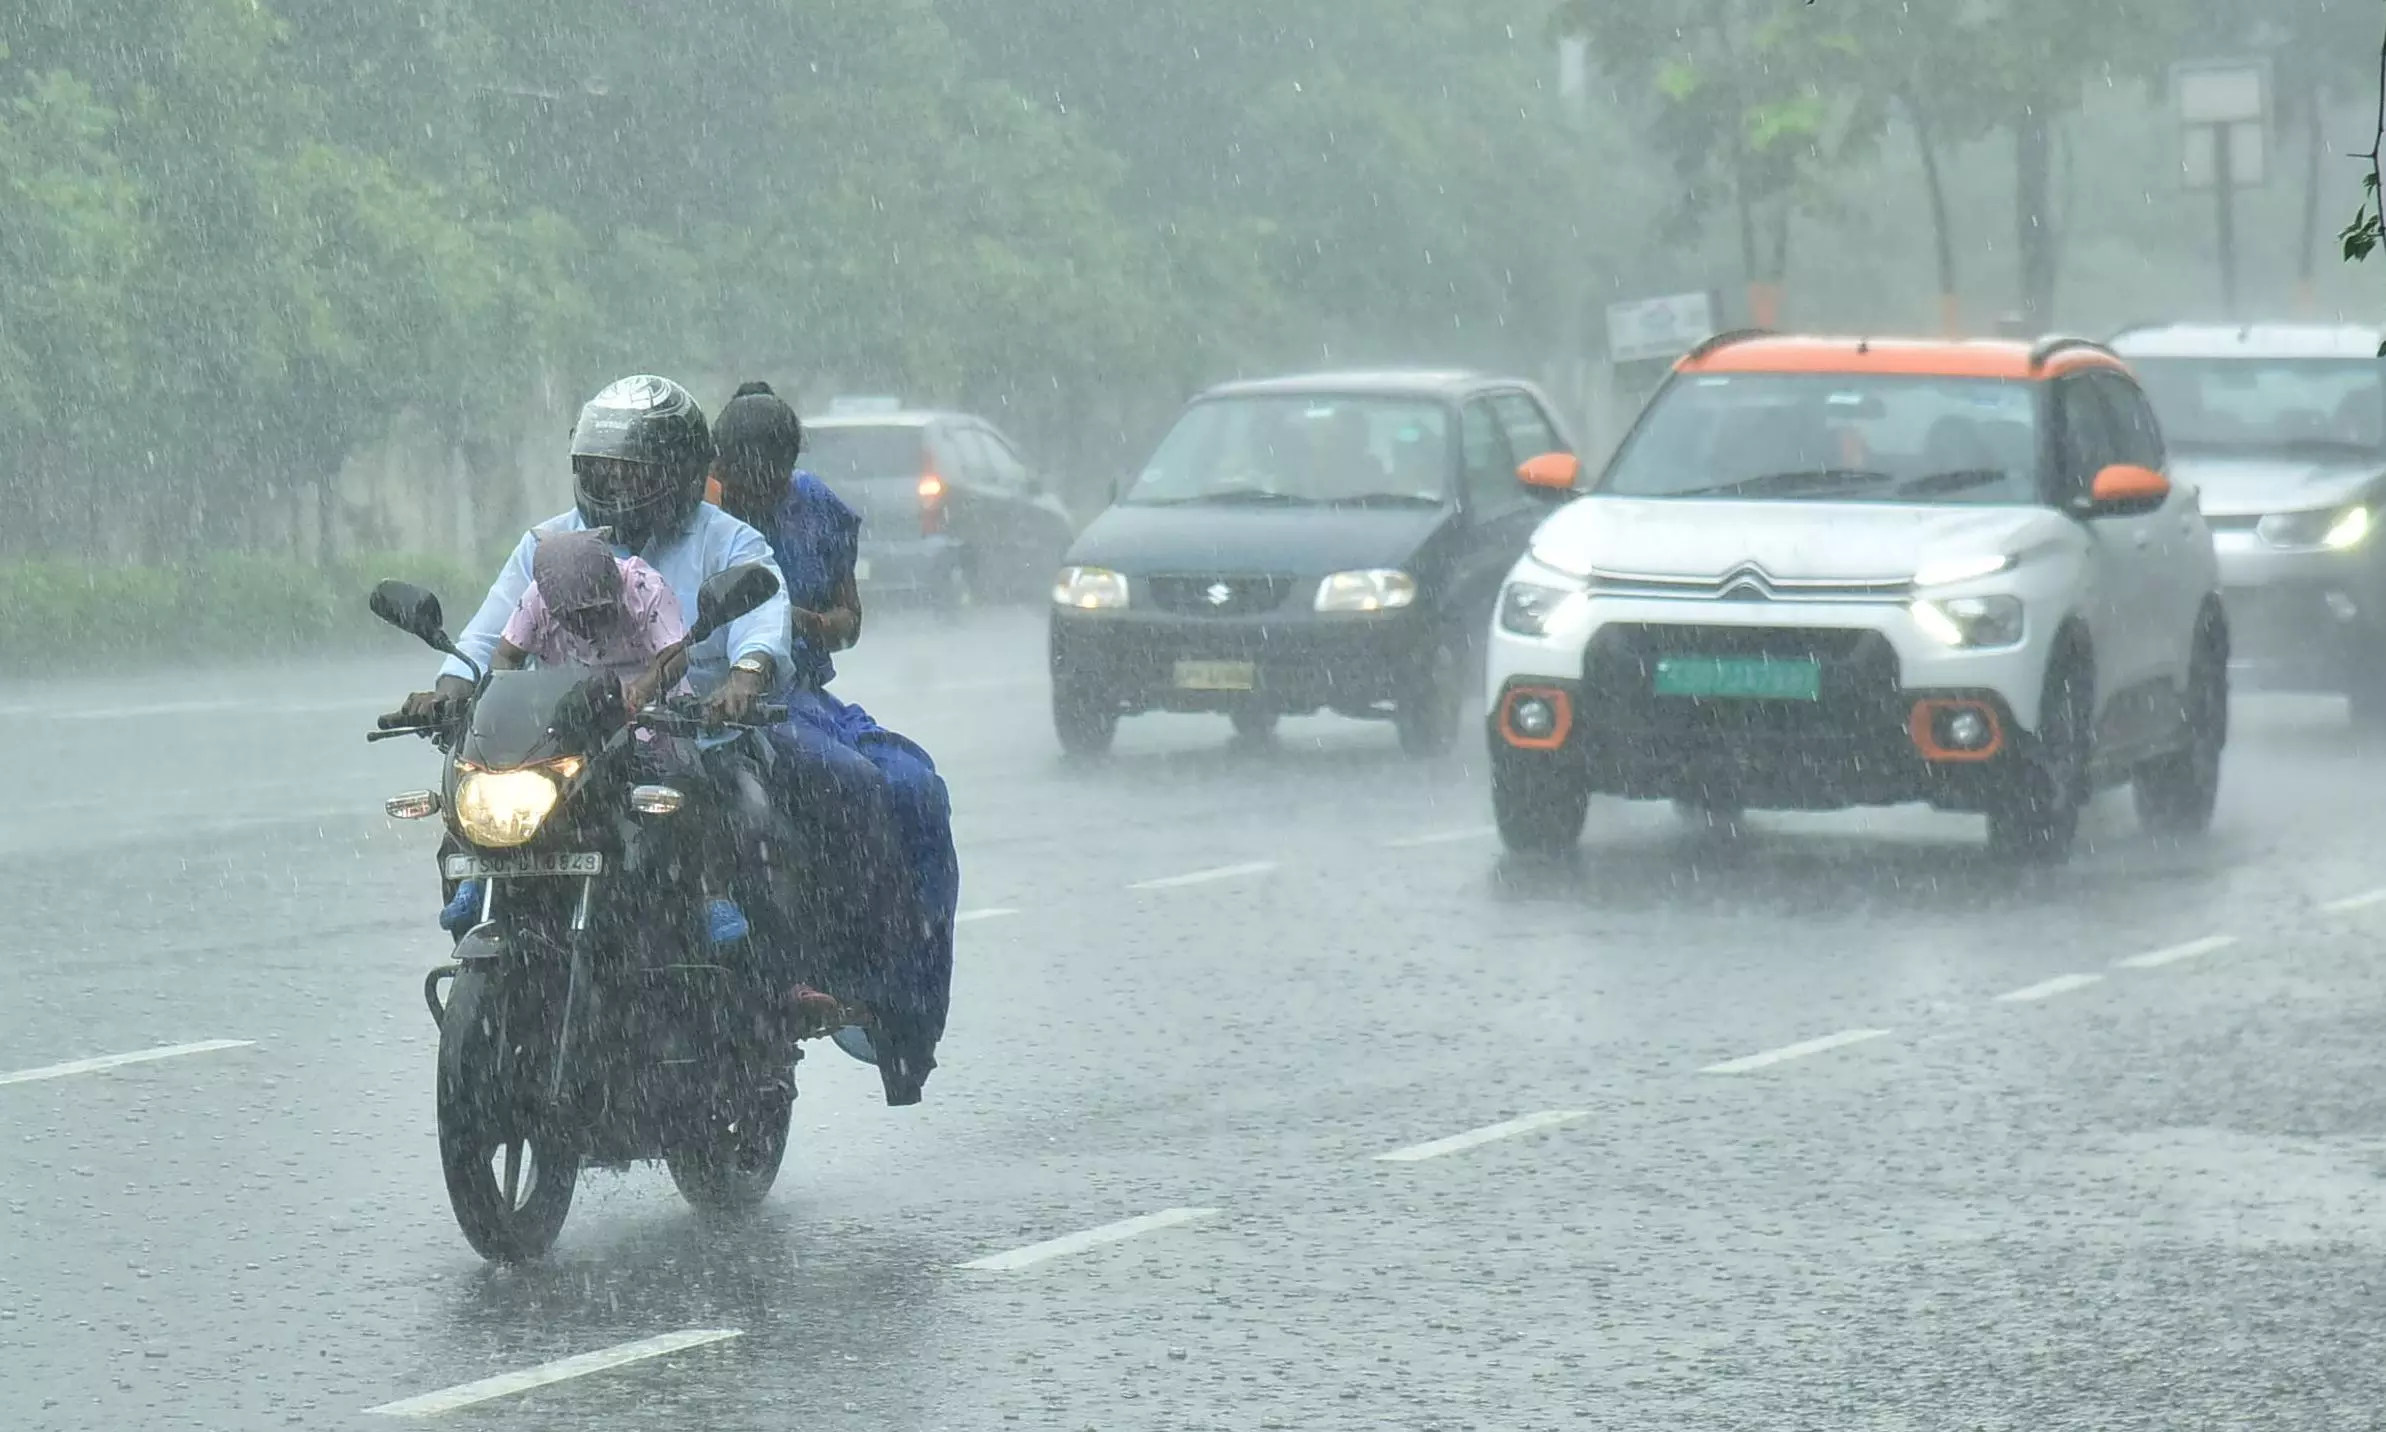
[841,455]
[1836,437]
[2254,404]
[1301,450]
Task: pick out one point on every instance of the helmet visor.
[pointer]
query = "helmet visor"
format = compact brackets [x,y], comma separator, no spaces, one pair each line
[613,484]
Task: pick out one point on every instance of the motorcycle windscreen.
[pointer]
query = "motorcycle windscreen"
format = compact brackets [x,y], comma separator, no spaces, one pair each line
[525,717]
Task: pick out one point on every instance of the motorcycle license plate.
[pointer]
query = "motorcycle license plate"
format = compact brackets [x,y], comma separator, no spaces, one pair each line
[524,865]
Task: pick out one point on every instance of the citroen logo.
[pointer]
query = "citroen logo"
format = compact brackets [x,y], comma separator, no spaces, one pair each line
[1218,594]
[1747,583]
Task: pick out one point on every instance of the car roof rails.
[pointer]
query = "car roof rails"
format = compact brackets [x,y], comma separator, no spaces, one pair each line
[2046,348]
[1724,339]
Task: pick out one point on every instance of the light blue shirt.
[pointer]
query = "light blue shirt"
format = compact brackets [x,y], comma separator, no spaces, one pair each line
[711,543]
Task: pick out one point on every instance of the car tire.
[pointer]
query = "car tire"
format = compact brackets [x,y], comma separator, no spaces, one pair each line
[2036,818]
[1085,724]
[1539,806]
[1710,816]
[1255,723]
[2175,794]
[954,591]
[1428,712]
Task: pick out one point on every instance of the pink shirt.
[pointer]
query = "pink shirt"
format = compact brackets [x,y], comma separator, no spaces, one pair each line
[650,621]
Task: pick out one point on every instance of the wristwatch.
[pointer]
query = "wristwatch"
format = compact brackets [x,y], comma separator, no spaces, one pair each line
[756,663]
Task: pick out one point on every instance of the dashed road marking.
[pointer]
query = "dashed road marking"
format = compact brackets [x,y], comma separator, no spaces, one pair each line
[2361,901]
[118,1061]
[1120,1231]
[991,912]
[1442,837]
[1489,1133]
[1799,1050]
[2172,954]
[1204,877]
[2048,988]
[488,1389]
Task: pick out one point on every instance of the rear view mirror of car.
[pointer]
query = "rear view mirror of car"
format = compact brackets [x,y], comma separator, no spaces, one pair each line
[2125,488]
[1551,472]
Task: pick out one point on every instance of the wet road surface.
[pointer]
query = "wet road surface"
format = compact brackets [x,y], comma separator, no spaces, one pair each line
[1275,1097]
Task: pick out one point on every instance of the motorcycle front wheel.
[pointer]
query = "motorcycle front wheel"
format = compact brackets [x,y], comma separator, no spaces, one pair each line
[509,1182]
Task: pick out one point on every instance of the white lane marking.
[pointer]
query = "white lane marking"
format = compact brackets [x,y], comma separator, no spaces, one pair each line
[118,1061]
[1441,837]
[2048,988]
[431,1404]
[2361,901]
[1204,877]
[2172,954]
[1489,1133]
[991,912]
[1799,1050]
[1051,1248]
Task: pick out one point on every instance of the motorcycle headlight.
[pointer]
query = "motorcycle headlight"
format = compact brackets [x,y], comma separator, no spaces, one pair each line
[1970,621]
[500,809]
[2339,529]
[1374,590]
[1091,589]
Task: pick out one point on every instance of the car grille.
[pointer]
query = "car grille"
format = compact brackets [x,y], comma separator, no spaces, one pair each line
[1220,596]
[1859,687]
[2234,522]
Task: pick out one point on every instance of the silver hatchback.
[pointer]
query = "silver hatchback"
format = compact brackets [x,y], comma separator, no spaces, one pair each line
[2281,429]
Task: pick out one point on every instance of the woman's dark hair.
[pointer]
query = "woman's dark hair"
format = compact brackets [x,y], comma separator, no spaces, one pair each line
[758,436]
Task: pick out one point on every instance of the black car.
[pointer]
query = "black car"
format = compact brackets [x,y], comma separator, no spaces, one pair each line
[1333,542]
[950,512]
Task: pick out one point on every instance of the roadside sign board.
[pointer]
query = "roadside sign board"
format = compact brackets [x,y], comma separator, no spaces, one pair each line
[1642,329]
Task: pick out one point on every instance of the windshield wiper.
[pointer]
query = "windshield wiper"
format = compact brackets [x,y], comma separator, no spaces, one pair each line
[1953,480]
[1253,496]
[1386,499]
[1827,479]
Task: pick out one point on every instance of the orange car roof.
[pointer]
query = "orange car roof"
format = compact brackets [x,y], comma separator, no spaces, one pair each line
[1906,357]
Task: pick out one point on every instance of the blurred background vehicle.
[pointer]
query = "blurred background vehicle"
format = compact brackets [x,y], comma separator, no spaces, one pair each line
[951,514]
[1330,542]
[2281,427]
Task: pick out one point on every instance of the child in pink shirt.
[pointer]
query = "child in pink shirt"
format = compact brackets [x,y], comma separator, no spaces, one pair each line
[587,607]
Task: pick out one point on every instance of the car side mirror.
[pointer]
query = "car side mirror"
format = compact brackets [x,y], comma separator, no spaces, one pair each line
[1551,472]
[726,596]
[414,611]
[2123,489]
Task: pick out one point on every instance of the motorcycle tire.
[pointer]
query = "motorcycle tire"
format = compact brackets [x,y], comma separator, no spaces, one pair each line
[488,1139]
[733,1166]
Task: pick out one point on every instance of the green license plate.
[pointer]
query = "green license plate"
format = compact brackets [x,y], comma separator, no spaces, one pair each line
[1741,678]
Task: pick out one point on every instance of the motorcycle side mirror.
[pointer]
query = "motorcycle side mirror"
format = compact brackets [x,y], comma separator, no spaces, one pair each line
[414,611]
[726,596]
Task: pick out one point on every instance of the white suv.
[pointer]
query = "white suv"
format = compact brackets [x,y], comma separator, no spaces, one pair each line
[1831,572]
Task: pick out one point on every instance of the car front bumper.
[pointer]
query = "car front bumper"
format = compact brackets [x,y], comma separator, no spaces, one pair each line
[1136,661]
[2303,619]
[907,564]
[1856,744]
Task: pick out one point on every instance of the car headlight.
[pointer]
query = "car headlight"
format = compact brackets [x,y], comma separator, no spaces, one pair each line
[1090,589]
[1970,621]
[500,809]
[1528,609]
[1378,589]
[2336,528]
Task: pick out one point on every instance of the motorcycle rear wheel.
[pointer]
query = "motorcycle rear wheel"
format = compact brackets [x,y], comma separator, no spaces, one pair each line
[509,1183]
[733,1165]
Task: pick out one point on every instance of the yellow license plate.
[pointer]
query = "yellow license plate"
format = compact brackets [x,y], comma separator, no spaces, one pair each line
[1216,676]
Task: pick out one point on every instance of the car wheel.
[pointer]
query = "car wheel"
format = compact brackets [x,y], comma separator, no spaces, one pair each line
[1539,806]
[1712,814]
[2036,818]
[953,592]
[1256,723]
[1085,723]
[1428,714]
[2176,793]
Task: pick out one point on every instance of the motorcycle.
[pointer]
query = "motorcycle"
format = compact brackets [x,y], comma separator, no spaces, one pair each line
[588,1017]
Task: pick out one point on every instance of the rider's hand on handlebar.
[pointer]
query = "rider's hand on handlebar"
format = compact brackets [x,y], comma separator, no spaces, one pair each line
[732,703]
[436,707]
